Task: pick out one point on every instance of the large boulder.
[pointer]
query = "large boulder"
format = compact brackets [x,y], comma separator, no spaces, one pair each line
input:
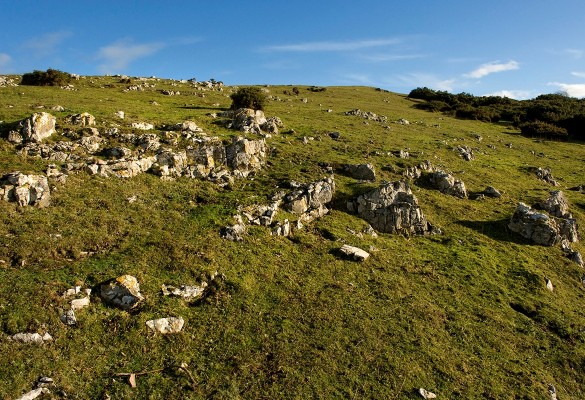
[38,127]
[392,208]
[247,120]
[245,156]
[540,227]
[25,189]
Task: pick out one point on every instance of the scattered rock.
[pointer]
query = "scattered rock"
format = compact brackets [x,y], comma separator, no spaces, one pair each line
[190,292]
[466,152]
[122,292]
[84,119]
[544,174]
[38,127]
[392,208]
[234,232]
[166,325]
[417,171]
[282,229]
[144,126]
[367,115]
[491,191]
[245,156]
[401,153]
[31,338]
[25,189]
[120,114]
[334,135]
[425,394]
[355,253]
[39,388]
[549,285]
[556,204]
[309,200]
[446,183]
[403,121]
[365,172]
[69,318]
[539,227]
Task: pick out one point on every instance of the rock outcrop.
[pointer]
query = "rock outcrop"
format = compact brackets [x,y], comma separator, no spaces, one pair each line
[38,127]
[25,190]
[309,200]
[367,115]
[448,184]
[541,228]
[365,172]
[392,208]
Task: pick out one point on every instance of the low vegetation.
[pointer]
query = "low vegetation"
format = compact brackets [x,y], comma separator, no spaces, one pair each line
[50,77]
[464,314]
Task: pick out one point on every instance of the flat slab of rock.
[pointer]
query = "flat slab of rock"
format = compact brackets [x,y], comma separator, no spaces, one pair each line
[355,253]
[166,325]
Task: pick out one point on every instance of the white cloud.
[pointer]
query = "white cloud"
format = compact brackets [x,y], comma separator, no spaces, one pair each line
[513,94]
[357,79]
[5,59]
[575,53]
[571,89]
[391,57]
[117,56]
[413,80]
[490,68]
[46,44]
[578,74]
[329,46]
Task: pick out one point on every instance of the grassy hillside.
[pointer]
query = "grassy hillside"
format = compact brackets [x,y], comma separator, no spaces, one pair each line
[465,314]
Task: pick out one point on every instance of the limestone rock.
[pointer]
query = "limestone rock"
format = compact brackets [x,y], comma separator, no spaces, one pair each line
[69,318]
[538,227]
[84,119]
[425,394]
[309,200]
[166,325]
[122,292]
[355,253]
[191,292]
[545,175]
[367,115]
[365,172]
[282,229]
[392,208]
[417,171]
[491,191]
[36,338]
[234,232]
[38,127]
[25,189]
[15,137]
[556,204]
[247,120]
[466,152]
[446,183]
[144,126]
[245,156]
[91,143]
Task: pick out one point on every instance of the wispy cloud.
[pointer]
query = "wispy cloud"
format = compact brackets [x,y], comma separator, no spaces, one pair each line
[5,60]
[513,94]
[391,57]
[571,89]
[357,79]
[118,55]
[575,53]
[578,74]
[331,46]
[46,44]
[420,79]
[490,68]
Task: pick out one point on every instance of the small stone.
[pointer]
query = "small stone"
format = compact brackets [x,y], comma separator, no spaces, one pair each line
[68,318]
[78,304]
[354,252]
[123,292]
[31,338]
[166,325]
[549,285]
[426,394]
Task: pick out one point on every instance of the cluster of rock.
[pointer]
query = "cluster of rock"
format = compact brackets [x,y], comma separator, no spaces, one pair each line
[466,152]
[308,201]
[545,174]
[365,172]
[415,172]
[25,189]
[251,121]
[448,184]
[6,81]
[392,208]
[555,225]
[367,115]
[204,157]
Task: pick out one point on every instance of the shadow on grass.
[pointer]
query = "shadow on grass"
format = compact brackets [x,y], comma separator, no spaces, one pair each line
[497,230]
[204,108]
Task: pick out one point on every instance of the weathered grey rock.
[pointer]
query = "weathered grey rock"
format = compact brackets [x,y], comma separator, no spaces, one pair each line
[91,143]
[25,189]
[392,208]
[69,318]
[234,232]
[538,227]
[169,163]
[545,174]
[556,204]
[84,119]
[15,137]
[122,292]
[120,114]
[417,171]
[166,325]
[118,152]
[365,172]
[144,126]
[549,285]
[35,338]
[38,127]
[246,120]
[367,115]
[491,191]
[283,228]
[261,214]
[401,153]
[309,200]
[272,125]
[148,142]
[245,156]
[466,152]
[446,183]
[355,253]
[191,292]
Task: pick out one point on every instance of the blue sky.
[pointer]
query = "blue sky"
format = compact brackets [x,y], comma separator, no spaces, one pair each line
[518,48]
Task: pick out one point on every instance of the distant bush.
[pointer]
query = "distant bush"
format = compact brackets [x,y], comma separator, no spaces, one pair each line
[248,97]
[51,77]
[543,129]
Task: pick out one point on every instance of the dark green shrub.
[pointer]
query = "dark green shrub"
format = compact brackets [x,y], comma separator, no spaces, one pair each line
[543,129]
[51,77]
[248,97]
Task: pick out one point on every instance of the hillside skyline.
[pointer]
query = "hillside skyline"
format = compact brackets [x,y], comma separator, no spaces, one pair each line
[518,50]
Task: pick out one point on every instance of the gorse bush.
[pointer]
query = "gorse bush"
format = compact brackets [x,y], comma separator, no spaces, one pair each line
[543,129]
[51,77]
[248,97]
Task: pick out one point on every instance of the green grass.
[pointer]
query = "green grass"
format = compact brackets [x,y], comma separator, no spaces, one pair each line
[464,314]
